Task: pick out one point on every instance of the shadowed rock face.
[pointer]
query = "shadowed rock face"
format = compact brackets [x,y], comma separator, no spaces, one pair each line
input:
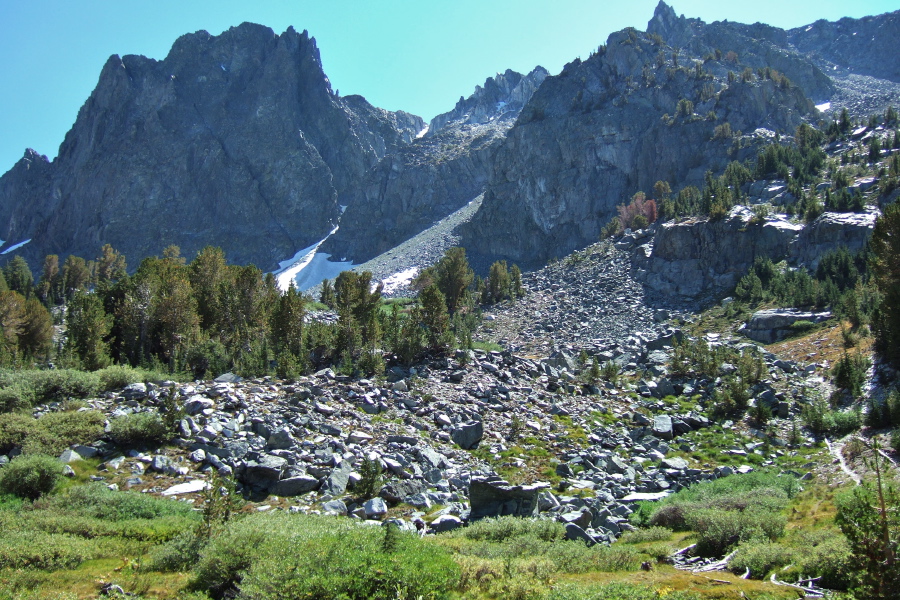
[233,140]
[608,127]
[410,189]
[866,46]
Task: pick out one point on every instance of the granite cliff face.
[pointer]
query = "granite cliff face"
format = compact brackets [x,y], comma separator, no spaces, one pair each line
[609,126]
[448,166]
[238,140]
[501,98]
[234,140]
[866,46]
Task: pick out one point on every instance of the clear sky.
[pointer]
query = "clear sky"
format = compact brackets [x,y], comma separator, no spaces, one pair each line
[418,56]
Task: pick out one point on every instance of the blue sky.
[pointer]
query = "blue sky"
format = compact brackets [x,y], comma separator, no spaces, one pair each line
[399,54]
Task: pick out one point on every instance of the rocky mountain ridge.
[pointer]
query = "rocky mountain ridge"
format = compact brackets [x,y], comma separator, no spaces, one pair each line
[235,137]
[239,141]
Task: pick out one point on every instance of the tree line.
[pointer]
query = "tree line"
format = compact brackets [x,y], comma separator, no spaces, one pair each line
[207,316]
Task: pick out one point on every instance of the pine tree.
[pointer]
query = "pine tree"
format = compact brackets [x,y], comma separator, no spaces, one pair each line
[207,272]
[174,314]
[287,323]
[327,295]
[109,267]
[435,318]
[12,320]
[87,328]
[49,288]
[75,276]
[498,282]
[885,266]
[452,275]
[37,330]
[18,276]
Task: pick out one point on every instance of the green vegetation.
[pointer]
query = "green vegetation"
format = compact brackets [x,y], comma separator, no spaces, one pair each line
[869,519]
[885,244]
[138,429]
[30,476]
[294,556]
[51,434]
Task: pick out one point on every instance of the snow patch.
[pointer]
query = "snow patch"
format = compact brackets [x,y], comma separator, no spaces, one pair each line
[824,106]
[397,280]
[290,268]
[317,269]
[15,246]
[422,133]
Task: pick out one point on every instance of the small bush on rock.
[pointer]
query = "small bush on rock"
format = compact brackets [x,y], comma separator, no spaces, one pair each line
[140,429]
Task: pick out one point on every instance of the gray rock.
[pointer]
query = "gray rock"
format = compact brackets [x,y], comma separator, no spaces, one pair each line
[468,435]
[576,533]
[294,486]
[674,462]
[495,499]
[281,440]
[446,523]
[420,501]
[197,404]
[358,437]
[265,472]
[375,508]
[135,391]
[582,517]
[161,464]
[397,491]
[335,507]
[228,378]
[774,325]
[70,456]
[662,427]
[336,483]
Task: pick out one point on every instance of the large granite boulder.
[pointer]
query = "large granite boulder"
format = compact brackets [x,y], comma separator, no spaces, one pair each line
[497,499]
[773,325]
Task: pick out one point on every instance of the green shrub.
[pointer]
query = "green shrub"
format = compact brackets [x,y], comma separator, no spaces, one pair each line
[98,501]
[821,420]
[651,534]
[803,326]
[58,385]
[669,516]
[138,429]
[569,557]
[26,388]
[15,397]
[54,432]
[615,591]
[760,556]
[850,373]
[30,476]
[720,530]
[294,556]
[179,554]
[501,529]
[116,377]
[38,550]
[825,554]
[14,429]
[884,412]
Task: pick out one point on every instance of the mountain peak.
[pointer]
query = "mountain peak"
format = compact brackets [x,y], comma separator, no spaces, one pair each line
[500,98]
